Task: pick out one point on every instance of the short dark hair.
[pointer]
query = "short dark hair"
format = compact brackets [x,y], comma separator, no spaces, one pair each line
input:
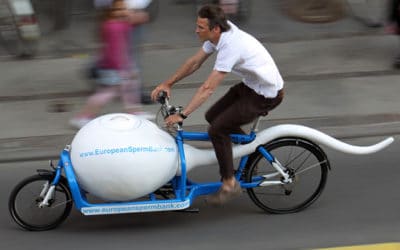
[215,16]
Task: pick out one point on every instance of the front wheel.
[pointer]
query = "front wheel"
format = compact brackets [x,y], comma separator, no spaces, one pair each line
[28,194]
[307,166]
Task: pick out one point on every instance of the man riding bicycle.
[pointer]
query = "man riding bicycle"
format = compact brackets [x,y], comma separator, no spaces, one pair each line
[260,91]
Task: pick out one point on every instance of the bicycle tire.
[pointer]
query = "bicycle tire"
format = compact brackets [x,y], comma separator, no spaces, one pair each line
[27,214]
[308,183]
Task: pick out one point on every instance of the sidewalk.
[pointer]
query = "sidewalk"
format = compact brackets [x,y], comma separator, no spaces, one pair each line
[338,77]
[175,24]
[329,86]
[297,60]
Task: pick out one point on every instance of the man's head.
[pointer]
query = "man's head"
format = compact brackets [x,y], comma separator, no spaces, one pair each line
[211,22]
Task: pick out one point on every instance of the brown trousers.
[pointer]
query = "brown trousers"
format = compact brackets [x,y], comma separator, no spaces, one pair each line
[240,105]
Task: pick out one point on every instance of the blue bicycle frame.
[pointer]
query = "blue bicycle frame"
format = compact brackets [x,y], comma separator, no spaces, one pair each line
[185,191]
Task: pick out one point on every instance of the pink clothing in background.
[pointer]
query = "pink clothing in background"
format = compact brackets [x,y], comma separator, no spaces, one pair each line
[115,38]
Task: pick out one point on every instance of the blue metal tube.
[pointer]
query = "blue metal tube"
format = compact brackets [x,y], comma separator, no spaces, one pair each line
[266,154]
[65,163]
[194,136]
[241,167]
[182,184]
[57,177]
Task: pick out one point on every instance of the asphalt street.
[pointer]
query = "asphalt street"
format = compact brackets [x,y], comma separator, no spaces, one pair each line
[359,205]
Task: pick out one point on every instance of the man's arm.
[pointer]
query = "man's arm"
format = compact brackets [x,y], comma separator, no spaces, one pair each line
[202,94]
[190,66]
[205,91]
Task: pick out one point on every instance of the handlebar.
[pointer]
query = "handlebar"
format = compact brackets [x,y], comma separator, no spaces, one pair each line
[162,97]
[166,108]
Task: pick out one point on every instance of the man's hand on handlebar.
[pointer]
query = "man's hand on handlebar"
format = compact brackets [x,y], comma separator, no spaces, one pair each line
[173,119]
[172,115]
[162,87]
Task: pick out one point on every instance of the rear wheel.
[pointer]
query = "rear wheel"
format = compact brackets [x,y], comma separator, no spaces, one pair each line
[307,166]
[28,194]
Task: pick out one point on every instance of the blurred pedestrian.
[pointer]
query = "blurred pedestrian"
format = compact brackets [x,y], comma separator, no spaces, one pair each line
[136,39]
[393,25]
[115,75]
[135,42]
[230,7]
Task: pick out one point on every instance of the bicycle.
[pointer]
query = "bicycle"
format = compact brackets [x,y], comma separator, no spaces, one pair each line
[282,168]
[19,29]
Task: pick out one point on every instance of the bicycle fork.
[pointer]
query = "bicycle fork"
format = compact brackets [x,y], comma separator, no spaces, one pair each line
[46,194]
[281,170]
[49,187]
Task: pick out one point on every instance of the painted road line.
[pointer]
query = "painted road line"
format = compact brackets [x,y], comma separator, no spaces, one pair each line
[382,246]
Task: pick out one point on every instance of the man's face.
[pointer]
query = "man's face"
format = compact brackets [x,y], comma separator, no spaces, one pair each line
[203,31]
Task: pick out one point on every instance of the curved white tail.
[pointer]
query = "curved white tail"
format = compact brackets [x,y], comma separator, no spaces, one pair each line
[198,157]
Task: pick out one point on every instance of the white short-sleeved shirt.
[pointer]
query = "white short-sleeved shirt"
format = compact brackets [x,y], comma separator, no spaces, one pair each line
[243,55]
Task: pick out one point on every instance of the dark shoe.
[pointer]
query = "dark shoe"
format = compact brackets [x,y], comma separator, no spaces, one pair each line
[223,196]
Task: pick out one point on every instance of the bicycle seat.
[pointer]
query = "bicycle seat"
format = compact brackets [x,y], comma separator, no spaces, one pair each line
[243,138]
[246,138]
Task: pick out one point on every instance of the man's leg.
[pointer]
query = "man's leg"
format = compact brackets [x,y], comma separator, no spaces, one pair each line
[222,104]
[226,117]
[245,106]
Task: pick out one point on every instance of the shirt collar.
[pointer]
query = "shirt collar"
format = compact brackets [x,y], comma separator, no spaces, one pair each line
[226,34]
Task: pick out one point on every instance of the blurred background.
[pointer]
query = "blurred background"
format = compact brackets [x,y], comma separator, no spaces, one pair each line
[70,25]
[48,49]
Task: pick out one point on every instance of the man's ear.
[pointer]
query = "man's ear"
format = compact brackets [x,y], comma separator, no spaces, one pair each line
[216,29]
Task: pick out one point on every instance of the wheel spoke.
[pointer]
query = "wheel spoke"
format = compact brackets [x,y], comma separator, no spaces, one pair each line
[318,164]
[300,156]
[293,159]
[59,204]
[24,200]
